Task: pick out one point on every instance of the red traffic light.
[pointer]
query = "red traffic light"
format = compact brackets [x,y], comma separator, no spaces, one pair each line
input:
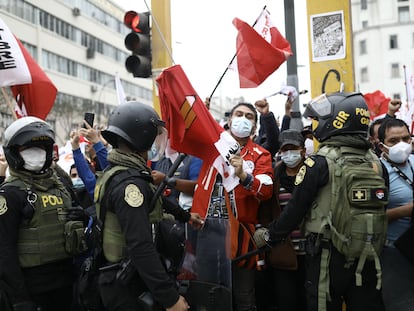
[138,22]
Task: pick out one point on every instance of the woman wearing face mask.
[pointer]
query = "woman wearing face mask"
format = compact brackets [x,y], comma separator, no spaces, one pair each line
[285,273]
[397,272]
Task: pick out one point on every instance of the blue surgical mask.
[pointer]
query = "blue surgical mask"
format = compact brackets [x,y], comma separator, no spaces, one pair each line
[241,127]
[77,183]
[291,158]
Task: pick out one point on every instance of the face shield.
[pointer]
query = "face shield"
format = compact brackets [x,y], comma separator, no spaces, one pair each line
[160,143]
[319,107]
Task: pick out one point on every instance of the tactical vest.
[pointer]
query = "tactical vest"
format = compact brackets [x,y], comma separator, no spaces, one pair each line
[350,211]
[114,245]
[41,240]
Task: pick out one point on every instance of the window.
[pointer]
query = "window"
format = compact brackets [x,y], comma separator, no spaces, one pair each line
[404,14]
[393,42]
[364,74]
[364,24]
[363,4]
[395,70]
[362,47]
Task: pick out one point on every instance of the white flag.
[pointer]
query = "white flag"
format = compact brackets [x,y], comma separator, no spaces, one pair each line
[409,85]
[13,66]
[119,90]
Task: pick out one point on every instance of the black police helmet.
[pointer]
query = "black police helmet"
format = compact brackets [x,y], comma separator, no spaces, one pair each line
[338,114]
[28,132]
[136,123]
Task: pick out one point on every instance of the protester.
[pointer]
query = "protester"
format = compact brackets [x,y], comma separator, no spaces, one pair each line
[281,285]
[123,199]
[398,272]
[35,269]
[268,136]
[342,251]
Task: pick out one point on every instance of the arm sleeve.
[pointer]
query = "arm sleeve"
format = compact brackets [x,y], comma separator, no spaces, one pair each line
[101,154]
[268,128]
[303,196]
[141,249]
[84,171]
[11,275]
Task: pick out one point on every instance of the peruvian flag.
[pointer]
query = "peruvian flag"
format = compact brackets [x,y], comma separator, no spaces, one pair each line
[377,103]
[260,50]
[193,130]
[35,94]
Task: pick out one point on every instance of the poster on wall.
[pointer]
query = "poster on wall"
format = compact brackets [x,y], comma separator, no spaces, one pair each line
[328,36]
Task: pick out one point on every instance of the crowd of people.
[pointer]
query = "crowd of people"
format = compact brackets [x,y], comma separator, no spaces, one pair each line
[322,208]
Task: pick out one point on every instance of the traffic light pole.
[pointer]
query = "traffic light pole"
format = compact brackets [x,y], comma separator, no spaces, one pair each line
[161,43]
[292,70]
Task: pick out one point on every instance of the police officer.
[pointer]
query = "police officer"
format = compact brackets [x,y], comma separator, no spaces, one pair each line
[342,122]
[124,192]
[35,270]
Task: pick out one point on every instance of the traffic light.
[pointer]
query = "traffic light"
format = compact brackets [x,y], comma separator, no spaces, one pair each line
[139,43]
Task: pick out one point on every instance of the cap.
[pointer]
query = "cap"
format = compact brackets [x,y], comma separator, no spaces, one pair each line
[291,137]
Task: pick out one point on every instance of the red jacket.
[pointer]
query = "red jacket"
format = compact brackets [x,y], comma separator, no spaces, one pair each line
[258,163]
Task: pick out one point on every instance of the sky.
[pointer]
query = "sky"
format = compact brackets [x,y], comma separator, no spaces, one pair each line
[204,42]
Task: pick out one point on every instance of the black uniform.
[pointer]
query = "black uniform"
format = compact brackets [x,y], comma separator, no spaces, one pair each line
[341,277]
[147,270]
[48,285]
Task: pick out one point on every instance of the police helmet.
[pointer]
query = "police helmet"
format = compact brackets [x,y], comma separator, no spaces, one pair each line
[136,123]
[28,132]
[337,114]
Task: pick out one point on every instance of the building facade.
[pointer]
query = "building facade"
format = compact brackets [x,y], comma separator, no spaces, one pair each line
[80,46]
[383,37]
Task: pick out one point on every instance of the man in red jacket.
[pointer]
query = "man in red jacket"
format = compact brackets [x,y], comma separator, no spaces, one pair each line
[253,166]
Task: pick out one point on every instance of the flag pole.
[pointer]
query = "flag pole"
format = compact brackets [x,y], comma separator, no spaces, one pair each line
[9,103]
[406,86]
[234,56]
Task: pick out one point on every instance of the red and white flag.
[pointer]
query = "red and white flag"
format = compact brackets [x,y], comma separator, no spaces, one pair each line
[33,90]
[377,104]
[191,127]
[260,50]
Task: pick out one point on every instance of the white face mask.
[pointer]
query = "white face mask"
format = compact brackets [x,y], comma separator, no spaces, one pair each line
[34,158]
[400,152]
[309,146]
[241,127]
[291,157]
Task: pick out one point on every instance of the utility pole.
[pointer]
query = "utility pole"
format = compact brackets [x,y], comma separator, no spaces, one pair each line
[161,43]
[292,65]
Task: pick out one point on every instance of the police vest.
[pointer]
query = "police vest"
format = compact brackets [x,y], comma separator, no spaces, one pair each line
[350,211]
[114,245]
[41,239]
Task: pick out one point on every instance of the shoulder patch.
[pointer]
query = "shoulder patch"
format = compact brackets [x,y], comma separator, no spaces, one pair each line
[309,162]
[133,196]
[3,205]
[300,175]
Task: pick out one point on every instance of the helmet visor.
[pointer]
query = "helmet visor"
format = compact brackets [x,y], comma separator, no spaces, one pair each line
[160,143]
[319,107]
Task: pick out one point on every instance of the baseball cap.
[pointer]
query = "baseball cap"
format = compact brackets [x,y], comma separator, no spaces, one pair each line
[291,137]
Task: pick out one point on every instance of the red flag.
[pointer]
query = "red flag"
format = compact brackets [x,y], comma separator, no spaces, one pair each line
[377,103]
[39,96]
[260,50]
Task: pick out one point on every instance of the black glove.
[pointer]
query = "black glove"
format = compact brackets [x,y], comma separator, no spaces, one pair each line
[24,306]
[77,213]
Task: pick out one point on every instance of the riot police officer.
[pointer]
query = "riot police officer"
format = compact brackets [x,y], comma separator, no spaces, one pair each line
[123,195]
[334,275]
[35,269]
